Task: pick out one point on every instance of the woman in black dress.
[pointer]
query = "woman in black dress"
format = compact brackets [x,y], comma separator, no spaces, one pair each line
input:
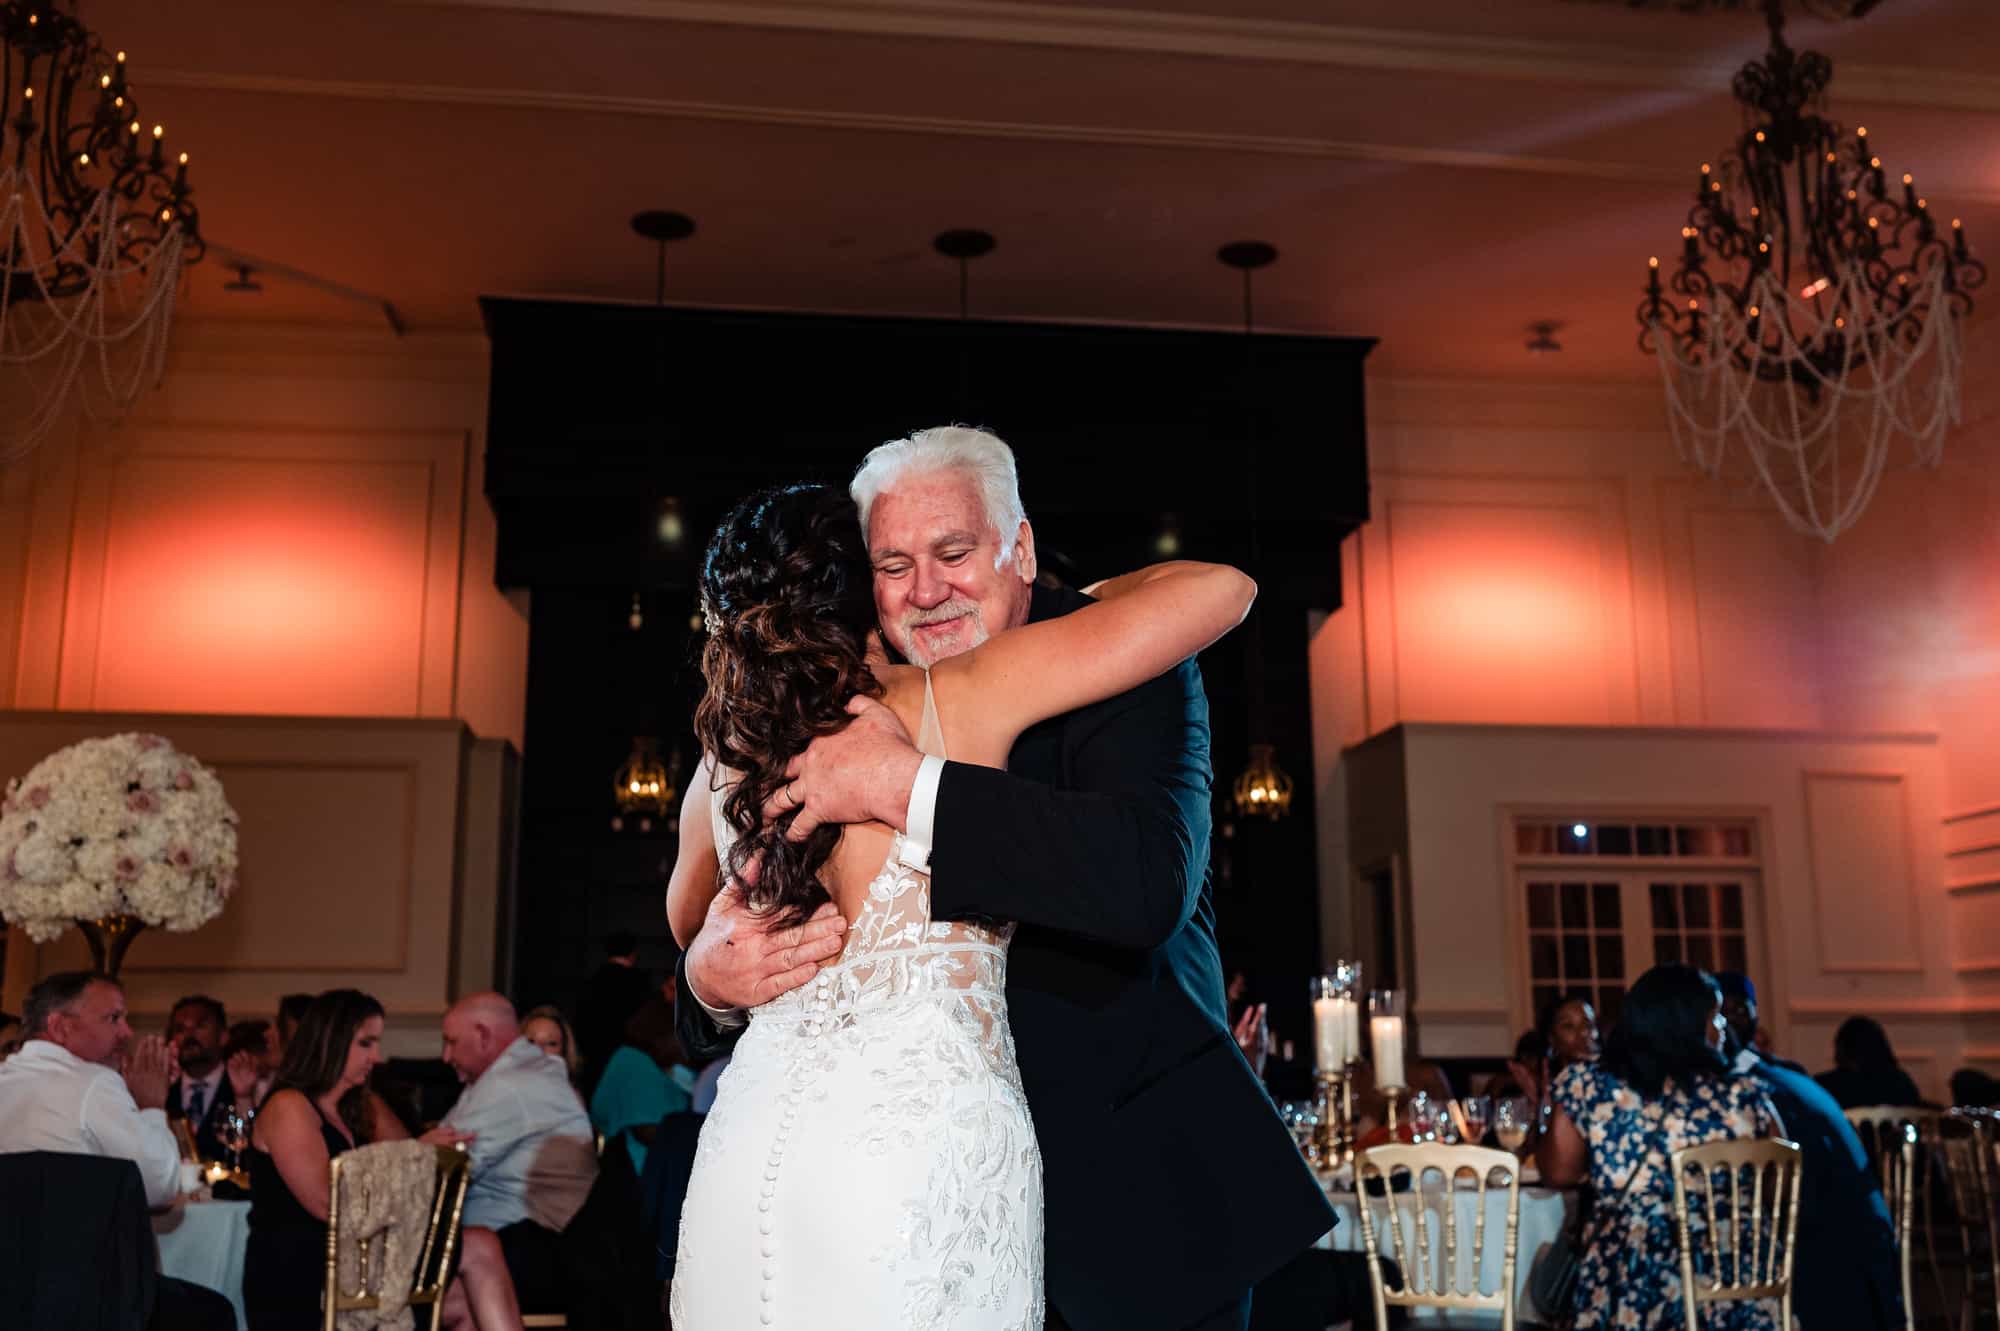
[319,1106]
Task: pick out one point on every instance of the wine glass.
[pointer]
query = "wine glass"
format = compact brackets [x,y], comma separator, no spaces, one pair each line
[1473,1109]
[236,1122]
[1423,1117]
[1510,1123]
[1302,1117]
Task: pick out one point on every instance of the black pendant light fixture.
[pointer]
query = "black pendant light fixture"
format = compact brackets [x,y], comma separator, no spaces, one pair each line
[962,245]
[1262,790]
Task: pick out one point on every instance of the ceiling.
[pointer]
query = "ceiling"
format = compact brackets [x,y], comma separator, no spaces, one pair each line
[1436,175]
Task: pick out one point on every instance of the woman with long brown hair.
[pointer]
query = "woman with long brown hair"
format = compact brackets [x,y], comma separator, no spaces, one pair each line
[870,1139]
[320,1105]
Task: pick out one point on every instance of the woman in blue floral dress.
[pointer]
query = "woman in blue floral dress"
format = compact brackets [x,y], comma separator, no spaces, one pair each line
[1661,1085]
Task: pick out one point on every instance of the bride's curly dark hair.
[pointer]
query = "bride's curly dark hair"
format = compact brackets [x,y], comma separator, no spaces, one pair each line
[787,591]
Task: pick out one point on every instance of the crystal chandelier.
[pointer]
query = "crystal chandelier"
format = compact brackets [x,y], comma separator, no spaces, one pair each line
[643,786]
[97,223]
[1812,321]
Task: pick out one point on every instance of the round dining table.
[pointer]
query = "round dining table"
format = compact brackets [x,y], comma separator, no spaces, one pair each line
[202,1242]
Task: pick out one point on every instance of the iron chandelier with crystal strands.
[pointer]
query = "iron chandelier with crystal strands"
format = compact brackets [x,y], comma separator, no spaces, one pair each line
[97,222]
[1813,318]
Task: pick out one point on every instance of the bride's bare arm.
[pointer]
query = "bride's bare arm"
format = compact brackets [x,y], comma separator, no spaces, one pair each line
[696,870]
[1142,625]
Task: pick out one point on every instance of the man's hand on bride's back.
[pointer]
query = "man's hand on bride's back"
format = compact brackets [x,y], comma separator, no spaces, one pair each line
[861,773]
[740,959]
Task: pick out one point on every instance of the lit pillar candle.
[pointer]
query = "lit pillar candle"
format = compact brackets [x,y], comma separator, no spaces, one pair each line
[1330,1033]
[1387,1033]
[1350,1020]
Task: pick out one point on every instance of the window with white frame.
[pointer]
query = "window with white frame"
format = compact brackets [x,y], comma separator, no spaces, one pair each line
[1605,899]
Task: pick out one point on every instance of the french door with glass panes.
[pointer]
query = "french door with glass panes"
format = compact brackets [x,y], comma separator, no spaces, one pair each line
[1595,928]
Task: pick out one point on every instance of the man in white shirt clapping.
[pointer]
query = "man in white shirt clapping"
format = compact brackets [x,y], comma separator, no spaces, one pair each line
[63,1091]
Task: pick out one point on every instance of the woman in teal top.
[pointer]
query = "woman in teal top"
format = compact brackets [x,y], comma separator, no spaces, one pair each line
[643,1082]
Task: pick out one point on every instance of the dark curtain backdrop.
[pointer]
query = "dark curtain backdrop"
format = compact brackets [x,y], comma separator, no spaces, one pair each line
[606,419]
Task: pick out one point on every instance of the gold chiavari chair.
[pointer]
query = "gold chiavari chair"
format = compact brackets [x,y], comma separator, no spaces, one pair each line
[1882,1130]
[1966,1147]
[434,1258]
[1899,1164]
[1749,1247]
[1416,1219]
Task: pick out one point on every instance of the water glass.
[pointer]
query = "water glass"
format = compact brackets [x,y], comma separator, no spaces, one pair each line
[1511,1121]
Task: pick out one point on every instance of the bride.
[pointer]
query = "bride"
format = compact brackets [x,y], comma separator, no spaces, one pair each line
[870,1161]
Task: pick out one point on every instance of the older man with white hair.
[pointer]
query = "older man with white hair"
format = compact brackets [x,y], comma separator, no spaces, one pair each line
[534,1154]
[1172,1186]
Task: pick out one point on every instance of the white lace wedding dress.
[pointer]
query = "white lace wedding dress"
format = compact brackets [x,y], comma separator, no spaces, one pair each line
[869,1162]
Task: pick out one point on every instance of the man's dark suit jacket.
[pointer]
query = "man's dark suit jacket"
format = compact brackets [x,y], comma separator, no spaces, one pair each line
[1171,1185]
[207,1133]
[1846,1276]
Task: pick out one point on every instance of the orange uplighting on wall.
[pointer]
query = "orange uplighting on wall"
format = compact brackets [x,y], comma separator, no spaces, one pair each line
[236,586]
[1498,614]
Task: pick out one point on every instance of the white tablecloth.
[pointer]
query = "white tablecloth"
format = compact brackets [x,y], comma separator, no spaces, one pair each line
[1542,1213]
[203,1242]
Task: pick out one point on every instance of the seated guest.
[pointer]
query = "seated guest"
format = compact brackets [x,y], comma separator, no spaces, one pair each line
[1662,1084]
[534,1156]
[1524,1074]
[291,1011]
[617,990]
[197,1029]
[1845,1272]
[1739,1009]
[1865,1071]
[1569,1025]
[1973,1089]
[319,1107]
[63,1092]
[1565,1033]
[548,1029]
[251,1045]
[644,1081]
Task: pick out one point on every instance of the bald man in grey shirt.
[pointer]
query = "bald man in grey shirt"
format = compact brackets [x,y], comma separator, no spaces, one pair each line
[534,1153]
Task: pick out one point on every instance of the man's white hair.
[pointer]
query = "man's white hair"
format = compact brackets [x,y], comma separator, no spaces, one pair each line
[980,454]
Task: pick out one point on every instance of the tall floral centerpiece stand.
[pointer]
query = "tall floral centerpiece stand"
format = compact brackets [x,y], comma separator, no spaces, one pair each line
[115,835]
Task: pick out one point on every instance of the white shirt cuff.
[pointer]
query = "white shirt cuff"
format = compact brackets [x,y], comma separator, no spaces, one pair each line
[727,1018]
[919,836]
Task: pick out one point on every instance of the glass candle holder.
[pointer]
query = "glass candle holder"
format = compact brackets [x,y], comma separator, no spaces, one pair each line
[1336,1009]
[1388,1037]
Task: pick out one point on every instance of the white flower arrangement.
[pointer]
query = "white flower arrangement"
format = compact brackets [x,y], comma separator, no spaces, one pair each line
[126,825]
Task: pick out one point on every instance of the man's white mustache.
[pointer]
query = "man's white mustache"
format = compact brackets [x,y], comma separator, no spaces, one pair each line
[938,614]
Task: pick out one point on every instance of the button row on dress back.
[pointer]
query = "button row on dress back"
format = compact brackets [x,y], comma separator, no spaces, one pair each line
[767,1193]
